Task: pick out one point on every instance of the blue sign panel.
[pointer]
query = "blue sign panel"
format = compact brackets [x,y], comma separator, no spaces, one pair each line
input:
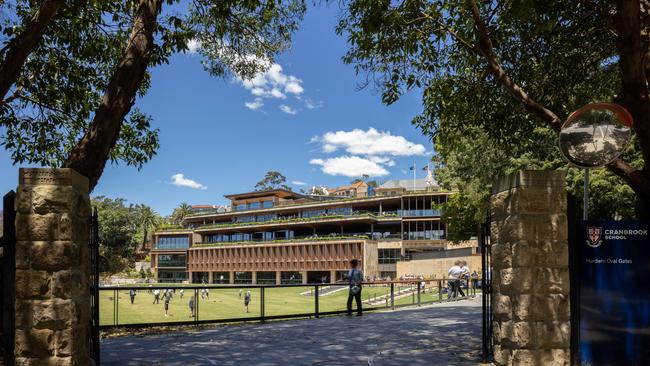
[615,293]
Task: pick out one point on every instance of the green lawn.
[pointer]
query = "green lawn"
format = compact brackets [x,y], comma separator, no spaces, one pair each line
[224,303]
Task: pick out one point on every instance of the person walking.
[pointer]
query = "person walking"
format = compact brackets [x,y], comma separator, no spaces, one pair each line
[156,296]
[464,276]
[247,299]
[181,292]
[132,295]
[240,291]
[355,278]
[191,304]
[167,297]
[452,283]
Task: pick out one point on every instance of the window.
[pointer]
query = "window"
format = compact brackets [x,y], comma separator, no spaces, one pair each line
[173,242]
[172,276]
[172,260]
[244,219]
[312,213]
[388,256]
[340,211]
[269,217]
[240,207]
[254,205]
[267,204]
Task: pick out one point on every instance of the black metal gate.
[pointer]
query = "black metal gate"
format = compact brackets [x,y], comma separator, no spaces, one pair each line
[486,287]
[7,284]
[94,288]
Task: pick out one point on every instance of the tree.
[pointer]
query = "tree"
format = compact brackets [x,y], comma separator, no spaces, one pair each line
[92,60]
[272,180]
[509,68]
[147,219]
[117,229]
[181,212]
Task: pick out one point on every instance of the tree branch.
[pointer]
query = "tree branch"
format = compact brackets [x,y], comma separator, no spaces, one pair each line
[634,178]
[494,67]
[23,44]
[93,150]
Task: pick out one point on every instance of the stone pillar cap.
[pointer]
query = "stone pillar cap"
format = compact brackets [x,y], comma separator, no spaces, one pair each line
[53,176]
[530,178]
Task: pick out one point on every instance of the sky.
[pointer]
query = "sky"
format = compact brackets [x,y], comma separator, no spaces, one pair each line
[305,117]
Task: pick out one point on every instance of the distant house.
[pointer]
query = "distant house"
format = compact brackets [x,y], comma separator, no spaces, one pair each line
[400,186]
[356,189]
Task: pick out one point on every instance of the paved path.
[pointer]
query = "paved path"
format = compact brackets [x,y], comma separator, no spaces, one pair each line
[442,334]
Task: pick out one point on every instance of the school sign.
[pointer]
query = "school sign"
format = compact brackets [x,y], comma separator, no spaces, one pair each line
[614,293]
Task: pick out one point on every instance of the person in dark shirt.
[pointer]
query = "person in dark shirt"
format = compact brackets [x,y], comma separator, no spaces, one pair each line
[167,297]
[132,295]
[355,277]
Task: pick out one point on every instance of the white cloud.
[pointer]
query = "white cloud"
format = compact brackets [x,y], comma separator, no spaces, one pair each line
[273,83]
[255,104]
[288,110]
[371,142]
[298,183]
[193,46]
[311,104]
[180,181]
[350,166]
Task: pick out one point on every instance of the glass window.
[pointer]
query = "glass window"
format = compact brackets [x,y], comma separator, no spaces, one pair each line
[340,211]
[254,205]
[388,256]
[269,217]
[312,213]
[173,242]
[244,219]
[172,260]
[267,204]
[240,207]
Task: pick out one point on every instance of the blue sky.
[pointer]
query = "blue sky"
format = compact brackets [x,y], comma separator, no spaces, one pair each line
[220,145]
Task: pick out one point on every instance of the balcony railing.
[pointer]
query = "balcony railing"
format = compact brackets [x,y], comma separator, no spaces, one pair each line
[291,220]
[289,240]
[267,302]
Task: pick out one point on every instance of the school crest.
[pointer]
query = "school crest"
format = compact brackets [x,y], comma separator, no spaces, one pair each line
[594,236]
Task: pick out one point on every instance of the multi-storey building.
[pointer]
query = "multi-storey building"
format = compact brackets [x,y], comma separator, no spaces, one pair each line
[280,236]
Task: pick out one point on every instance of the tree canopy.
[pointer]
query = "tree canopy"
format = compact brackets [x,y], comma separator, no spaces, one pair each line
[71,71]
[272,180]
[498,78]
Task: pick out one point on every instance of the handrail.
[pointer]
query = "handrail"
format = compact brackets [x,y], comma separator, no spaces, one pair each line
[193,291]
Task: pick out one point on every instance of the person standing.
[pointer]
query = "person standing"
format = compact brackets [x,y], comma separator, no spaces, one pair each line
[132,295]
[181,292]
[156,296]
[240,291]
[452,283]
[167,297]
[247,299]
[355,277]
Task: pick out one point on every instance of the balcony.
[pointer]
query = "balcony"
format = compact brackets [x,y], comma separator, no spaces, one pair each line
[293,220]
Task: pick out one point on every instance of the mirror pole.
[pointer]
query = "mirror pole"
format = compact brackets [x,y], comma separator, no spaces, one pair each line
[585,196]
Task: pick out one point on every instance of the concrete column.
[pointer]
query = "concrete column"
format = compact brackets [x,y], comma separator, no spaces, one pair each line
[304,277]
[231,278]
[332,276]
[254,277]
[52,268]
[530,274]
[278,277]
[210,277]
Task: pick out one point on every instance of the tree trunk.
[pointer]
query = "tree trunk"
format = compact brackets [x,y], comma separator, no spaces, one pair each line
[91,153]
[23,44]
[635,96]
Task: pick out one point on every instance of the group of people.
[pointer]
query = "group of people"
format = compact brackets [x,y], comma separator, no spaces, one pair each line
[167,295]
[456,275]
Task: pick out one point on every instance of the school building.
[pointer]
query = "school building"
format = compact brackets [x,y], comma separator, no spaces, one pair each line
[280,236]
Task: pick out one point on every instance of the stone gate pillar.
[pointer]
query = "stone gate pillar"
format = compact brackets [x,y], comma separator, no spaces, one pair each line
[52,268]
[530,274]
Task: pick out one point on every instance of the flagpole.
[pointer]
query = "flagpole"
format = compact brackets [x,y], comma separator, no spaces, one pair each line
[414,169]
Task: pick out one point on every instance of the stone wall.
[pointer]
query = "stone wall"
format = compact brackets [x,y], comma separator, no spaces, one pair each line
[52,268]
[530,269]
